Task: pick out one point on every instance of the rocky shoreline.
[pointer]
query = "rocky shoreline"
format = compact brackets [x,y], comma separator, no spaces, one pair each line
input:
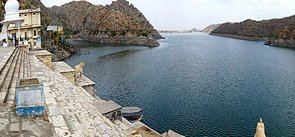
[267,41]
[140,41]
[281,43]
[238,37]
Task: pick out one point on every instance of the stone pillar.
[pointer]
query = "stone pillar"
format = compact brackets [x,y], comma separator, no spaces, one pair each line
[5,31]
[19,23]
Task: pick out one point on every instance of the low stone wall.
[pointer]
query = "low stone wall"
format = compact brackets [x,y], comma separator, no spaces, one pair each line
[88,85]
[44,56]
[90,89]
[69,75]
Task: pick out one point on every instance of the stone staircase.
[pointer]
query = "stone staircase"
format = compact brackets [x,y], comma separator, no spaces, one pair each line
[17,66]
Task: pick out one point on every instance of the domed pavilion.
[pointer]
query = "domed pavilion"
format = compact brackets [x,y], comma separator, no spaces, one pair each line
[11,17]
[21,27]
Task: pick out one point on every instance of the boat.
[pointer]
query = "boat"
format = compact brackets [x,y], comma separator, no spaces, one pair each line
[132,114]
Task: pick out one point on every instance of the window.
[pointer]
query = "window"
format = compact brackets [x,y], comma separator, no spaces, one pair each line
[25,14]
[34,13]
[35,33]
[20,15]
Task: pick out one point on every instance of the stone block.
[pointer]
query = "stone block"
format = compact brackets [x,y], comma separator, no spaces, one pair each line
[30,97]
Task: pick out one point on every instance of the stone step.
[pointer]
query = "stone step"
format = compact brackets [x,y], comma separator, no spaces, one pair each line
[8,80]
[5,56]
[21,71]
[25,66]
[6,68]
[28,65]
[11,93]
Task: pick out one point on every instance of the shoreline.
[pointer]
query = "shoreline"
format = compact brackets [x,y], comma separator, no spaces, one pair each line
[272,43]
[139,41]
[68,50]
[290,44]
[238,37]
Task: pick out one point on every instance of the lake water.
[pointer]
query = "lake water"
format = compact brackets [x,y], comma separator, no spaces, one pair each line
[199,85]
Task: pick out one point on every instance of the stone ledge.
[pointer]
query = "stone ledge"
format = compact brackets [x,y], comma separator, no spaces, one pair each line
[61,67]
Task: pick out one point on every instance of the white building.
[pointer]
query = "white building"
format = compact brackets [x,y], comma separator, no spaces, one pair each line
[21,26]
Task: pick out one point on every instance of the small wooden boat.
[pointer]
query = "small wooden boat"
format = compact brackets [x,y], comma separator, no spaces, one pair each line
[132,114]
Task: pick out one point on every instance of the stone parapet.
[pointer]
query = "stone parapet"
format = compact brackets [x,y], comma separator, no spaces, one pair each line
[87,84]
[64,69]
[44,56]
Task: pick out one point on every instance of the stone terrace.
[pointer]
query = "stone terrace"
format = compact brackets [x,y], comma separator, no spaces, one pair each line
[70,109]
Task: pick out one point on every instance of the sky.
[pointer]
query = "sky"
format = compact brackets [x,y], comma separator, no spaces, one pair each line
[188,14]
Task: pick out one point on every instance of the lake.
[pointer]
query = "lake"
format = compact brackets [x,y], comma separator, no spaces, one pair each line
[198,85]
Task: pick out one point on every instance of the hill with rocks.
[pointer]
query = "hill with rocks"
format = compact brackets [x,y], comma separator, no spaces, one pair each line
[210,28]
[277,32]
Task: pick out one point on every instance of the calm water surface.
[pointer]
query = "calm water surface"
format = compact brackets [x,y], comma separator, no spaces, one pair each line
[199,85]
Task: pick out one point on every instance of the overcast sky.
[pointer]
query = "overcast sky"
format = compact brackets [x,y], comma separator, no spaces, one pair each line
[188,14]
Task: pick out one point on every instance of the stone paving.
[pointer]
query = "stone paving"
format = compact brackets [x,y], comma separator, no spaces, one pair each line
[71,109]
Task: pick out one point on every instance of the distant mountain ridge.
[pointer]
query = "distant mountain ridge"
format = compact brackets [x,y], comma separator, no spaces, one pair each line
[180,31]
[119,22]
[271,30]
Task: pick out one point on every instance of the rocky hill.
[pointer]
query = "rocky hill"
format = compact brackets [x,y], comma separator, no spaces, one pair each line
[285,37]
[210,28]
[271,30]
[119,22]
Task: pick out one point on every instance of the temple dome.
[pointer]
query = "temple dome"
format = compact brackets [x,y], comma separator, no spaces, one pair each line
[11,6]
[11,10]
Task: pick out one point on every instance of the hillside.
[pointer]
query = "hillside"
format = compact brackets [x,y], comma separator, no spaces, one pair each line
[210,28]
[119,22]
[258,30]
